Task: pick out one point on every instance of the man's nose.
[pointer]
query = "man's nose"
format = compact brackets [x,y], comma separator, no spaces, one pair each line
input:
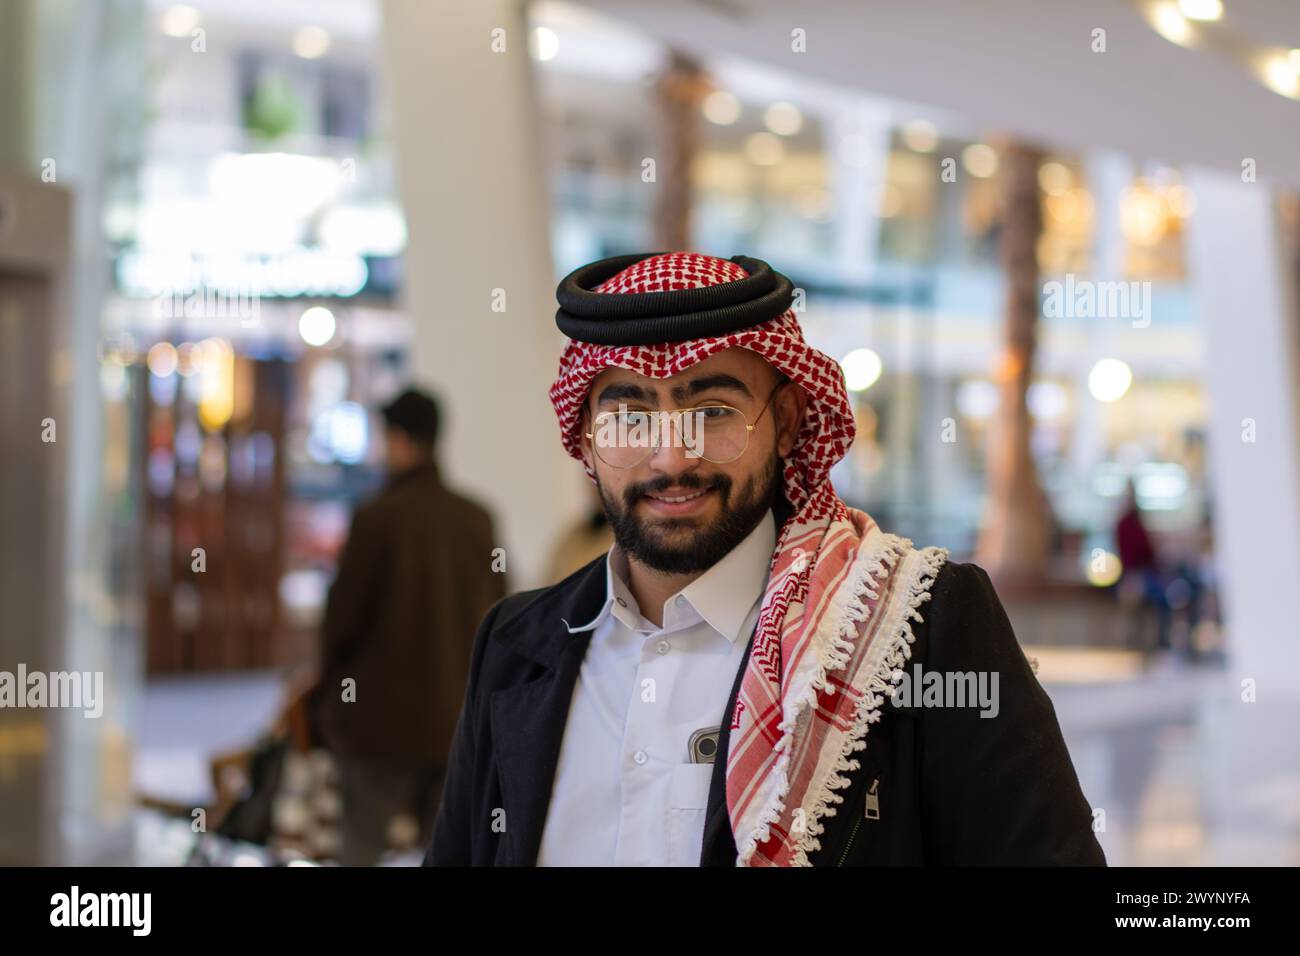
[676,452]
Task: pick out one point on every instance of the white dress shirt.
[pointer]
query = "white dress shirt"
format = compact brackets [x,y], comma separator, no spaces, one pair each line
[625,791]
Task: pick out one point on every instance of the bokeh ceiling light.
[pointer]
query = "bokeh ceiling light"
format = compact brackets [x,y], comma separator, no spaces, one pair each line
[1142,215]
[977,399]
[862,368]
[980,160]
[1047,401]
[162,359]
[1200,24]
[316,325]
[545,44]
[311,43]
[721,108]
[1109,380]
[1054,178]
[921,136]
[1170,23]
[1201,9]
[784,119]
[1104,569]
[179,20]
[1280,76]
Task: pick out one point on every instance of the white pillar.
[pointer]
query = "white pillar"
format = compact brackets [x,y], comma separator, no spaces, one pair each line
[1109,174]
[1241,288]
[857,141]
[474,187]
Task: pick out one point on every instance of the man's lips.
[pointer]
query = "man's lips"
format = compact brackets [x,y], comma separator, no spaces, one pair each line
[680,502]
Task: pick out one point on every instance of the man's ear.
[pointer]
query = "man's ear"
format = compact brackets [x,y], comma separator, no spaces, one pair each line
[584,426]
[790,404]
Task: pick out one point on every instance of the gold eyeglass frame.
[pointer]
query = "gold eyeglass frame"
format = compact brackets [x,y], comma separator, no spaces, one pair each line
[676,420]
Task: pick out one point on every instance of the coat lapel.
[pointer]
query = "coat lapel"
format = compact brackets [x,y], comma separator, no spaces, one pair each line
[529,719]
[719,847]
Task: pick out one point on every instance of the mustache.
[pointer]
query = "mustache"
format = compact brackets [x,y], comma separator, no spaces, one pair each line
[633,493]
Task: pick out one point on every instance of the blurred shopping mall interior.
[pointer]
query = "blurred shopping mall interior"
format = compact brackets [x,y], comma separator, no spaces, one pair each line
[230,230]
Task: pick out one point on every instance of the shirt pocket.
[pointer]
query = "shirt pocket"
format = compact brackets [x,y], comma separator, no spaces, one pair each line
[688,798]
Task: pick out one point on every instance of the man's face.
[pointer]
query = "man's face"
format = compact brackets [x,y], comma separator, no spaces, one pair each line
[680,513]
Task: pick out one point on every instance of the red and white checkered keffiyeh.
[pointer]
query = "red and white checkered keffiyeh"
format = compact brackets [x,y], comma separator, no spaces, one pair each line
[834,630]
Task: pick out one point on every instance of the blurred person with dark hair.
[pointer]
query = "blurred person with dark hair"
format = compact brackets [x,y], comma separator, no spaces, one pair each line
[414,579]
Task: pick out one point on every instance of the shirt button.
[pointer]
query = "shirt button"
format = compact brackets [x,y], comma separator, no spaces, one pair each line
[663,647]
[681,601]
[640,757]
[621,602]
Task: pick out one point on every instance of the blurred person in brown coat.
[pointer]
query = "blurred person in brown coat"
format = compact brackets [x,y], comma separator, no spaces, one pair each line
[414,579]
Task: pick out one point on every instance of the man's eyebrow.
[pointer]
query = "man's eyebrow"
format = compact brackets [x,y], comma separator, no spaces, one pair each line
[706,383]
[623,390]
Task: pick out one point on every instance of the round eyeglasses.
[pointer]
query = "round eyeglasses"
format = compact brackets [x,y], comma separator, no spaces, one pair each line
[716,433]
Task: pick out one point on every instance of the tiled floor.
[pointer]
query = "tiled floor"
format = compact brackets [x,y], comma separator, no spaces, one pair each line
[1186,772]
[186,720]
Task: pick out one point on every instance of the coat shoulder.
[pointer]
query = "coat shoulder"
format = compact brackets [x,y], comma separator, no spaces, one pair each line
[964,625]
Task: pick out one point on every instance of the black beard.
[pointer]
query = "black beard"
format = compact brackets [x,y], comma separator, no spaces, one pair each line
[713,543]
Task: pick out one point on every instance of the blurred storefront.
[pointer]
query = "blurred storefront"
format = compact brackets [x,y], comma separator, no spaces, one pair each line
[251,329]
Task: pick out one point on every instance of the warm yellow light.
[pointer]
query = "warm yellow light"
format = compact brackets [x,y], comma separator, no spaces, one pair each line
[721,107]
[784,119]
[1171,24]
[1201,9]
[1072,206]
[1280,77]
[1142,215]
[1054,178]
[311,43]
[215,363]
[980,160]
[1104,569]
[920,135]
[179,20]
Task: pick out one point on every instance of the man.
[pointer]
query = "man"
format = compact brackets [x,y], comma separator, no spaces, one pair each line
[718,690]
[414,579]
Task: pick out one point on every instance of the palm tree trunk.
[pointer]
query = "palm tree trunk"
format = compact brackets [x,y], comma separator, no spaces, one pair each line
[679,91]
[1014,538]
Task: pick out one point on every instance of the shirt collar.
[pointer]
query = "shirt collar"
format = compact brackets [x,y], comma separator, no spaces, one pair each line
[609,598]
[723,595]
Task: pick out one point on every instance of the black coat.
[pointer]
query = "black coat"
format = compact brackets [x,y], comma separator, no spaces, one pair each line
[951,787]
